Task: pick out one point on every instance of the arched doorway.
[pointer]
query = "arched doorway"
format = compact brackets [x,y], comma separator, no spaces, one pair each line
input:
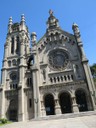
[49,104]
[13,110]
[81,100]
[65,102]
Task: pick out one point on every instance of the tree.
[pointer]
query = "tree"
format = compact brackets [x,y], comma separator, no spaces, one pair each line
[93,70]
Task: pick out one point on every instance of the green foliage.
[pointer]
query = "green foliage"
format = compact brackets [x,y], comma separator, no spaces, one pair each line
[93,70]
[3,120]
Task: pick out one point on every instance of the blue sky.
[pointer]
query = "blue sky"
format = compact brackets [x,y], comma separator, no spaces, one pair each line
[67,11]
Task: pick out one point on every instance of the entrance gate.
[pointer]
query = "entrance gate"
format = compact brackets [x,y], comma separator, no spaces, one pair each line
[65,102]
[81,100]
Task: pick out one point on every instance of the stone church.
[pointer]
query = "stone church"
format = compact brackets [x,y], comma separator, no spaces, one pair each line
[48,77]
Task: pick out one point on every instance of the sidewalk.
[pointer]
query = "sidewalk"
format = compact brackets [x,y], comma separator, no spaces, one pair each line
[77,122]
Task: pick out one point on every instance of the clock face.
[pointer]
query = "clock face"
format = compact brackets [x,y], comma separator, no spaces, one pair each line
[58,59]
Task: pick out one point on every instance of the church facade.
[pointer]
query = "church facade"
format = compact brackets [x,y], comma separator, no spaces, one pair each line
[50,77]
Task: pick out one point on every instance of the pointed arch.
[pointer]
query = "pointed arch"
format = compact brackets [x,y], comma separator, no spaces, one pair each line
[49,104]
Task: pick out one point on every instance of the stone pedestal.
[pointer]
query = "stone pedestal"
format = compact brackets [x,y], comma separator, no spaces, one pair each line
[74,105]
[57,107]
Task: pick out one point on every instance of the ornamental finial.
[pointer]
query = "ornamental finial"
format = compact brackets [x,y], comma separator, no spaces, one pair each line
[22,18]
[10,21]
[50,12]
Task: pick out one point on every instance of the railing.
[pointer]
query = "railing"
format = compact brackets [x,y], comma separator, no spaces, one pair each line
[61,78]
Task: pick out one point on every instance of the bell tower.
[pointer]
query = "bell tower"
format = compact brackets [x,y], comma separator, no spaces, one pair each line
[16,48]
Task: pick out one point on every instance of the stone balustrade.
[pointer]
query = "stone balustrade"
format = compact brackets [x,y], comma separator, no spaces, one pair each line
[61,78]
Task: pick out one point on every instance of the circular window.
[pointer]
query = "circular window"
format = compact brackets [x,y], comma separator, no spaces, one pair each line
[13,76]
[58,59]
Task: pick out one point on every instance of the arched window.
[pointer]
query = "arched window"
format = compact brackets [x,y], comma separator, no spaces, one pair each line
[14,62]
[9,63]
[18,46]
[29,82]
[12,45]
[30,61]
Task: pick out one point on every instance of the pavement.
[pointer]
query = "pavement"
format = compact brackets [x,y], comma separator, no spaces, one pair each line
[87,121]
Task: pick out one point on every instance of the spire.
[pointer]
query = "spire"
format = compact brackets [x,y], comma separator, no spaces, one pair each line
[52,21]
[23,26]
[51,12]
[9,25]
[79,41]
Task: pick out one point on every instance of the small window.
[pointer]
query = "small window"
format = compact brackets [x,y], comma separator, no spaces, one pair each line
[30,103]
[58,79]
[14,62]
[16,86]
[61,78]
[54,79]
[28,82]
[68,77]
[12,45]
[9,63]
[65,78]
[18,61]
[51,80]
[72,77]
[10,86]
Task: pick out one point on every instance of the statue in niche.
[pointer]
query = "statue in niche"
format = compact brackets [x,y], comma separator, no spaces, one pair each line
[77,70]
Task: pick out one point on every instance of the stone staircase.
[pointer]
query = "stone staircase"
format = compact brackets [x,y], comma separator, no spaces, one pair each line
[65,116]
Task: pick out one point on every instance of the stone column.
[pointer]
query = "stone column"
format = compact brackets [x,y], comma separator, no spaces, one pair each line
[3,80]
[21,83]
[20,104]
[90,83]
[75,108]
[2,101]
[57,105]
[36,93]
[15,44]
